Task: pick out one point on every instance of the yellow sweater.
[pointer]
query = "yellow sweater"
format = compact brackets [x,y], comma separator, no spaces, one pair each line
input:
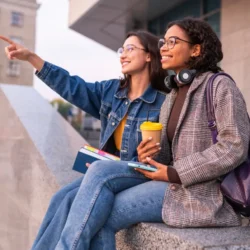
[118,133]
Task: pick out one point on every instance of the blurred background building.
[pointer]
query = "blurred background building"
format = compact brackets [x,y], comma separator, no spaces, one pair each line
[88,126]
[107,21]
[18,22]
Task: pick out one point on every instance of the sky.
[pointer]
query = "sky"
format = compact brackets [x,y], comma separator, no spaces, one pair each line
[79,55]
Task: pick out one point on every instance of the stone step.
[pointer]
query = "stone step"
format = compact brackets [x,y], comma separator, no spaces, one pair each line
[152,236]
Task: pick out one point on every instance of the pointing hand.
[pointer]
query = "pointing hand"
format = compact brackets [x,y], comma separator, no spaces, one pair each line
[16,51]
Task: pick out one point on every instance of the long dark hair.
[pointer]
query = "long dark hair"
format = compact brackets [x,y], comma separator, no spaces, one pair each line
[200,32]
[156,73]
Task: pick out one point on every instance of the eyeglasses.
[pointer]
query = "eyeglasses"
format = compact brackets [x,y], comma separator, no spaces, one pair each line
[127,49]
[170,42]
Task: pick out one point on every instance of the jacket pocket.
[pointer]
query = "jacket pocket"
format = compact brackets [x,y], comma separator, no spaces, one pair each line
[105,110]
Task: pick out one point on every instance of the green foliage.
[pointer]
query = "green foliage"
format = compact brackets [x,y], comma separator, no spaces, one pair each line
[63,107]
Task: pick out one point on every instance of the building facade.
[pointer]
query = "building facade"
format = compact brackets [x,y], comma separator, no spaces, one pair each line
[18,22]
[107,21]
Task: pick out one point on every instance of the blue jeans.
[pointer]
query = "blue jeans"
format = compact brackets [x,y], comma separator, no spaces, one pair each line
[141,203]
[112,196]
[56,217]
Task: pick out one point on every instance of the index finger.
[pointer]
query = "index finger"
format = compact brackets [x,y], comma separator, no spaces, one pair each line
[154,163]
[6,40]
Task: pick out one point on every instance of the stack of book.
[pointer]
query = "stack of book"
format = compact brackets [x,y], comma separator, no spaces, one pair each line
[89,154]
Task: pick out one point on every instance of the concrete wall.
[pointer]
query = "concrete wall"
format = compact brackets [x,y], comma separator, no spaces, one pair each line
[37,151]
[26,182]
[235,37]
[77,8]
[106,21]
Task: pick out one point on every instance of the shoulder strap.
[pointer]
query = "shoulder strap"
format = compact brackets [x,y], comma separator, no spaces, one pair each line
[210,109]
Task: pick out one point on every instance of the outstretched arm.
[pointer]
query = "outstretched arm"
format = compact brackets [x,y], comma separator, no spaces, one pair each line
[84,95]
[17,51]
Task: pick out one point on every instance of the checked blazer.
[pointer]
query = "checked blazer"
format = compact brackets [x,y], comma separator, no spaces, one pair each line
[198,202]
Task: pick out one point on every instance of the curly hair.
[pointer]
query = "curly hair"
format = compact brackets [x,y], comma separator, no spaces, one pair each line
[200,32]
[150,44]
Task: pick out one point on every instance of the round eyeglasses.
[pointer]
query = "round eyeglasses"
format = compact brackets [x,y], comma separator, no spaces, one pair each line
[170,42]
[127,49]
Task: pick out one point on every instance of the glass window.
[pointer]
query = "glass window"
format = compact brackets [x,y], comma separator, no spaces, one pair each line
[211,5]
[16,39]
[17,19]
[209,10]
[13,68]
[190,8]
[154,27]
[214,22]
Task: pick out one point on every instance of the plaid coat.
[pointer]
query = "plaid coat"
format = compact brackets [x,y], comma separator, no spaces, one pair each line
[198,202]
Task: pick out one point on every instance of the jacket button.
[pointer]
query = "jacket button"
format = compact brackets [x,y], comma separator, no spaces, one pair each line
[173,187]
[126,103]
[113,124]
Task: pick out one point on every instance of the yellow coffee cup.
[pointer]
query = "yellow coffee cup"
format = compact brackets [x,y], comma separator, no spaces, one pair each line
[151,129]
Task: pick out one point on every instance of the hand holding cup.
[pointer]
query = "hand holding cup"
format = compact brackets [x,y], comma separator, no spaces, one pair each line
[150,145]
[151,129]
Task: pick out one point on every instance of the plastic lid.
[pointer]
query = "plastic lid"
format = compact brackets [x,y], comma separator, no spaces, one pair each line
[151,126]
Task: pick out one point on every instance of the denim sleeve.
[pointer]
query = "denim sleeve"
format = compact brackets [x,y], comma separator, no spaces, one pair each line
[87,96]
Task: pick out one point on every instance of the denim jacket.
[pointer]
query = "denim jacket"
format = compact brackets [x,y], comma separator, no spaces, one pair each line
[108,102]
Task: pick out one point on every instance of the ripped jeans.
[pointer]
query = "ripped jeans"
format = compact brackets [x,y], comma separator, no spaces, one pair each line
[111,197]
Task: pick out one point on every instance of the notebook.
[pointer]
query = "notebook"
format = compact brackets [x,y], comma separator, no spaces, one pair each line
[89,154]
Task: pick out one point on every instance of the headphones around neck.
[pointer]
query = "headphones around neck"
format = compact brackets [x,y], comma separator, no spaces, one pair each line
[184,77]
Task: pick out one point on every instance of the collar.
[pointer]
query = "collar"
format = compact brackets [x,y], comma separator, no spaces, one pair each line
[201,79]
[148,96]
[121,93]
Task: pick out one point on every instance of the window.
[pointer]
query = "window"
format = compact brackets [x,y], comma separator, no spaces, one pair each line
[190,8]
[211,5]
[208,10]
[214,22]
[16,39]
[17,19]
[13,68]
[154,26]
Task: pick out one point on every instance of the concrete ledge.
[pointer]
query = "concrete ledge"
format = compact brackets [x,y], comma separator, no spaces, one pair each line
[53,137]
[148,236]
[37,151]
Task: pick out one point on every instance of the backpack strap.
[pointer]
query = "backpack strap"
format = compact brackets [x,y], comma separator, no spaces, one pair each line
[210,109]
